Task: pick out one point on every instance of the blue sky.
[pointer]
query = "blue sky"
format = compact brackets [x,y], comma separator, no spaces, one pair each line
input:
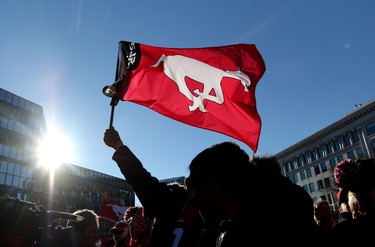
[319,56]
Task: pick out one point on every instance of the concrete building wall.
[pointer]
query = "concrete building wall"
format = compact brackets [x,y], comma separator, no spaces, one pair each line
[310,162]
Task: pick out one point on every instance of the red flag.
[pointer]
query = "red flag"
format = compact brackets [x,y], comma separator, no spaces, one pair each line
[211,88]
[111,211]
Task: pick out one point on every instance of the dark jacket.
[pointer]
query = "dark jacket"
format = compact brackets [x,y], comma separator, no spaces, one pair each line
[162,203]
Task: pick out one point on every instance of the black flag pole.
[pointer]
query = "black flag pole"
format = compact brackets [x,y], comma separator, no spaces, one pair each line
[113,104]
[111,91]
[112,114]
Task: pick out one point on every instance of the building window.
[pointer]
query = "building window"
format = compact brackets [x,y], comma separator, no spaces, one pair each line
[10,168]
[317,169]
[311,187]
[295,178]
[305,159]
[360,153]
[373,146]
[303,175]
[306,188]
[327,183]
[308,172]
[2,178]
[370,129]
[17,170]
[320,184]
[351,155]
[23,183]
[323,166]
[6,151]
[293,165]
[332,163]
[337,145]
[330,200]
[329,148]
[15,182]
[355,136]
[321,152]
[313,155]
[300,161]
[346,139]
[286,167]
[323,197]
[339,158]
[8,180]
[3,166]
[8,98]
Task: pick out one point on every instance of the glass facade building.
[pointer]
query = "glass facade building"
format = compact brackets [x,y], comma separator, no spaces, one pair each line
[70,187]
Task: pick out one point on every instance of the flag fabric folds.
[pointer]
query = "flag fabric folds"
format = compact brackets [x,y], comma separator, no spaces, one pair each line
[111,211]
[211,88]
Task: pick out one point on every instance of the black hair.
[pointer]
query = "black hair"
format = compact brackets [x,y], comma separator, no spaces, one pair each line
[224,163]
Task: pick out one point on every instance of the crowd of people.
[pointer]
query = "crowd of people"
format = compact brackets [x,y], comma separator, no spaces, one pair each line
[231,199]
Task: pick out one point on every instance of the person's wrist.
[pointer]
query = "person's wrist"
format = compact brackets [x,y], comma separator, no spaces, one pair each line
[118,144]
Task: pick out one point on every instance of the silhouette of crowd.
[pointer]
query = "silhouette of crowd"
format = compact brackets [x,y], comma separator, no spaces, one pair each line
[241,200]
[231,199]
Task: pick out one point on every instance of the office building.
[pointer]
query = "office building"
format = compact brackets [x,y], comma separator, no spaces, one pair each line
[22,125]
[310,162]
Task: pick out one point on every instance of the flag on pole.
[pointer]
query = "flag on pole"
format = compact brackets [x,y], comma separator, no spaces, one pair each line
[211,88]
[111,211]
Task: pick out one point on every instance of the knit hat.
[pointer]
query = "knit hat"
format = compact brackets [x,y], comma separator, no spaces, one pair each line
[355,175]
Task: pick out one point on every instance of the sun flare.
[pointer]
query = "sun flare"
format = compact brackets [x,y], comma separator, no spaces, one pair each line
[54,149]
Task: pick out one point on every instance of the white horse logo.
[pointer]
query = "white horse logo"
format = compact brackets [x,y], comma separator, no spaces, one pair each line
[118,210]
[178,67]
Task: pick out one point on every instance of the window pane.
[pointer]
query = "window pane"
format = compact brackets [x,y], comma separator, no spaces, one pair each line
[6,151]
[313,155]
[327,183]
[3,166]
[16,179]
[10,169]
[332,163]
[306,188]
[360,153]
[321,152]
[329,148]
[323,166]
[311,187]
[320,184]
[340,158]
[17,170]
[346,141]
[8,180]
[355,137]
[295,178]
[370,128]
[317,169]
[308,172]
[23,183]
[337,145]
[23,171]
[351,155]
[373,146]
[2,178]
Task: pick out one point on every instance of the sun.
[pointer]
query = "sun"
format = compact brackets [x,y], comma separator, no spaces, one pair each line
[54,149]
